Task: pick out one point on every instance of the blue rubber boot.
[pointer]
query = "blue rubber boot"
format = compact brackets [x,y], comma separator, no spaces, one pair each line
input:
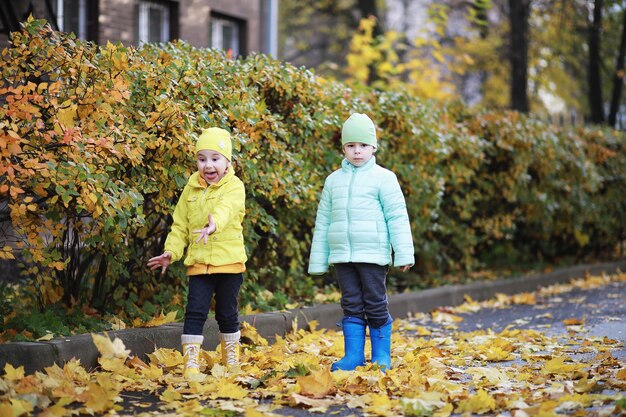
[381,345]
[354,344]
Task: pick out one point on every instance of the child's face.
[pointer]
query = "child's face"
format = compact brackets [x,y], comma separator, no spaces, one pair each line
[358,153]
[212,166]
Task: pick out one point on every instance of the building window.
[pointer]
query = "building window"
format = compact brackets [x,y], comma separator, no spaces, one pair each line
[226,34]
[72,17]
[153,22]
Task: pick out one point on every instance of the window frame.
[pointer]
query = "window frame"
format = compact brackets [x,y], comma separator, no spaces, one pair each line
[83,17]
[143,21]
[217,24]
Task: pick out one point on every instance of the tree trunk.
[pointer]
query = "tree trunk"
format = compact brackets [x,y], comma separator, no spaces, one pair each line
[618,75]
[367,9]
[593,74]
[519,12]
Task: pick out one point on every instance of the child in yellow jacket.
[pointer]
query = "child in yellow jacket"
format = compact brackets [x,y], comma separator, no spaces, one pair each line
[208,226]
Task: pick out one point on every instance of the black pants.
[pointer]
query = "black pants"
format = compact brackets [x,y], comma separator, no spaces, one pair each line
[201,291]
[364,292]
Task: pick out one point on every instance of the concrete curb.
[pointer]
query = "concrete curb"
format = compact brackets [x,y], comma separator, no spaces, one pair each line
[35,356]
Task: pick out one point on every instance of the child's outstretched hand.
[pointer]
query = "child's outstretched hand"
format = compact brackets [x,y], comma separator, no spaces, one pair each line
[161,261]
[206,230]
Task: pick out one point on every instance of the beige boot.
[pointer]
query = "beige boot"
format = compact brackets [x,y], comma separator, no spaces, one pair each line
[230,348]
[191,353]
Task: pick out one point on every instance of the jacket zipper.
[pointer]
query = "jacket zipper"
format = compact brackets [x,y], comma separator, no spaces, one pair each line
[348,213]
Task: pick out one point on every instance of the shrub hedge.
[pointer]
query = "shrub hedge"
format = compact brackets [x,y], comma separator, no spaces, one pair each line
[96,145]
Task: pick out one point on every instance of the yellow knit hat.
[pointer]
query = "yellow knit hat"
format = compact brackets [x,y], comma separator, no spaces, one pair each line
[215,139]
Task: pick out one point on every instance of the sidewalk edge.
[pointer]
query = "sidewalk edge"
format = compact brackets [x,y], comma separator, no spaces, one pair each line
[35,356]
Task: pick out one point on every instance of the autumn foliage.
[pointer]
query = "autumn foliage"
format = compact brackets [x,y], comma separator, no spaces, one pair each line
[439,370]
[96,145]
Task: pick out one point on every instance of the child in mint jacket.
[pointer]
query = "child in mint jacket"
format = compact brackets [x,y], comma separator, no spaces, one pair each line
[361,217]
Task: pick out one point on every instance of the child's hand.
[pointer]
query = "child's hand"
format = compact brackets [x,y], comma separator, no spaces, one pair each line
[161,261]
[206,230]
[406,268]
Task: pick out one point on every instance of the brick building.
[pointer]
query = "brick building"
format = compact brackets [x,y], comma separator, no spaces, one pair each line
[242,26]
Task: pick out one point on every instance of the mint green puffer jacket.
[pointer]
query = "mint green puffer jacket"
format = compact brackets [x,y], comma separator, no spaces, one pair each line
[360,218]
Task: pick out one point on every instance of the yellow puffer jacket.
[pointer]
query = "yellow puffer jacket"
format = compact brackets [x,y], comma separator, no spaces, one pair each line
[225,201]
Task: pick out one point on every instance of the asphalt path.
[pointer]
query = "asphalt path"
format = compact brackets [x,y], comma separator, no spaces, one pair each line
[602,312]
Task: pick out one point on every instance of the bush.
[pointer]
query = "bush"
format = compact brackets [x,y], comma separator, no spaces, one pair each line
[96,145]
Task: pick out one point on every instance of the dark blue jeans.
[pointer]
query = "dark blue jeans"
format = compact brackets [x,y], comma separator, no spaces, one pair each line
[201,291]
[364,292]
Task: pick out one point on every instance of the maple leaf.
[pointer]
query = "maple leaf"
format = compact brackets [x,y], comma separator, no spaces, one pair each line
[557,366]
[152,372]
[441,317]
[381,405]
[170,394]
[479,403]
[110,349]
[161,319]
[250,333]
[13,374]
[15,407]
[319,405]
[424,405]
[318,384]
[102,394]
[168,358]
[493,376]
[56,410]
[229,390]
[251,412]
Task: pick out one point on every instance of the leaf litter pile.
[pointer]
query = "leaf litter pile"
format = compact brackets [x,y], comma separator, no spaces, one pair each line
[437,371]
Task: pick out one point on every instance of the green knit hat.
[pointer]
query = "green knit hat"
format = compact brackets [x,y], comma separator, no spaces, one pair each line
[359,128]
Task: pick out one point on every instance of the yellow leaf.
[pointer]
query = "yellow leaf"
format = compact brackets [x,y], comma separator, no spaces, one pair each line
[250,333]
[168,358]
[99,398]
[162,319]
[479,403]
[47,336]
[6,410]
[318,404]
[251,412]
[108,348]
[152,372]
[557,366]
[381,405]
[120,60]
[170,394]
[20,407]
[441,317]
[13,374]
[67,114]
[230,390]
[318,384]
[439,56]
[112,364]
[56,410]
[425,404]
